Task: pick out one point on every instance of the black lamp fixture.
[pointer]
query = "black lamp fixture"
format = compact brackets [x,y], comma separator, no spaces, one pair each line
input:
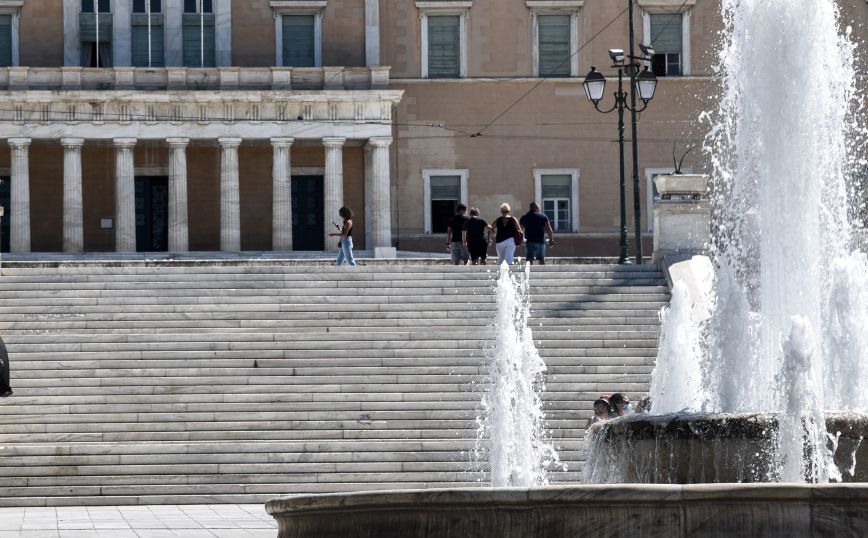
[644,85]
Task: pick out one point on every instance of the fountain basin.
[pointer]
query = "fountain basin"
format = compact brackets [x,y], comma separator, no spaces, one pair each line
[601,511]
[709,448]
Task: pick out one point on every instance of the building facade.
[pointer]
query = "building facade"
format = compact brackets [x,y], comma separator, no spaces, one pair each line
[243,125]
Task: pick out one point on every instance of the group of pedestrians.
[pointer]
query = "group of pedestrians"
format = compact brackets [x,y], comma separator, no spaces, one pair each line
[469,238]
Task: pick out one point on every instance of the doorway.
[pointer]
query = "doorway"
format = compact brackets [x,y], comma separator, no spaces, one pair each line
[152,213]
[308,204]
[5,198]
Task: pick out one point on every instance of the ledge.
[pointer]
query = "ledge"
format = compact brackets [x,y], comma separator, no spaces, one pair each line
[554,4]
[444,4]
[194,79]
[298,4]
[661,511]
[678,5]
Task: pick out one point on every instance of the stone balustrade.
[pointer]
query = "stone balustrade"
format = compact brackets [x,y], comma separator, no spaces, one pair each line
[192,79]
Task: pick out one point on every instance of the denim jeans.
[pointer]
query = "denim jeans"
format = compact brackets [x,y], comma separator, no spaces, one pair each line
[346,252]
[535,251]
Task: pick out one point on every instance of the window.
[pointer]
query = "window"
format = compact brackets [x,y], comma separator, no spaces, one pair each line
[444,46]
[147,34]
[444,189]
[298,32]
[96,33]
[87,6]
[444,37]
[666,35]
[299,41]
[6,40]
[554,44]
[198,33]
[558,194]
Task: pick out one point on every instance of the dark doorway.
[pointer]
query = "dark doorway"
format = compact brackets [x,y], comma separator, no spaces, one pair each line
[307,213]
[5,197]
[442,212]
[152,214]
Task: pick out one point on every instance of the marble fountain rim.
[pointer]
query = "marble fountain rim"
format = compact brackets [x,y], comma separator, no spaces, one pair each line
[855,493]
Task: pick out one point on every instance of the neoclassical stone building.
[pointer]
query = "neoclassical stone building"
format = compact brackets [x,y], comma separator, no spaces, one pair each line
[243,125]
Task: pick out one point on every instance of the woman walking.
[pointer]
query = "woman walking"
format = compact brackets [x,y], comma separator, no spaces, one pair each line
[345,245]
[507,229]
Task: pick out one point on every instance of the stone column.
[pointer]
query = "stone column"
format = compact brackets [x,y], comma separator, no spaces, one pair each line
[73,220]
[381,198]
[230,199]
[281,188]
[19,218]
[369,178]
[125,195]
[334,185]
[178,231]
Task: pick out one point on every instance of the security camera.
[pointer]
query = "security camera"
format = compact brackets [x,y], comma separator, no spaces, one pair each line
[617,55]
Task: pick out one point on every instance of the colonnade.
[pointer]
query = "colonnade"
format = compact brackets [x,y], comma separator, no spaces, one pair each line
[378,184]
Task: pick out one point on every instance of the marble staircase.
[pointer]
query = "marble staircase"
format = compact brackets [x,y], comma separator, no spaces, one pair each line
[237,381]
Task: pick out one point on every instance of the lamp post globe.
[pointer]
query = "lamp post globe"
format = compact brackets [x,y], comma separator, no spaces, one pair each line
[595,85]
[646,85]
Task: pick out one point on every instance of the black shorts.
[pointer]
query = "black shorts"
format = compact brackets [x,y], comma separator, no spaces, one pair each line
[478,249]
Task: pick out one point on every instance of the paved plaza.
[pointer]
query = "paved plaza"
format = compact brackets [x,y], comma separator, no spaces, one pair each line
[156,521]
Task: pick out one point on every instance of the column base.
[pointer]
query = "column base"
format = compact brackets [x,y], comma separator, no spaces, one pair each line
[385,252]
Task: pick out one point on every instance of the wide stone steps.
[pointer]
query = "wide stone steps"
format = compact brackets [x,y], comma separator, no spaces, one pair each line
[235,381]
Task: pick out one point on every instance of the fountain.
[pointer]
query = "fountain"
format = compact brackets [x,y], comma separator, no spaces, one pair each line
[745,390]
[759,386]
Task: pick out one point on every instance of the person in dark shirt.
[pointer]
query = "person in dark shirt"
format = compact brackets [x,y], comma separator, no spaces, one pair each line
[536,225]
[454,242]
[5,389]
[505,239]
[477,237]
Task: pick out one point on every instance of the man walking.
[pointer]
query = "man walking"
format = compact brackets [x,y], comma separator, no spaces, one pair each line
[454,239]
[536,225]
[5,389]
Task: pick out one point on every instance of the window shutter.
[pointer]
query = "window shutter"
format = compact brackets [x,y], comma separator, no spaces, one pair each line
[5,40]
[87,27]
[554,45]
[192,36]
[444,46]
[666,33]
[140,41]
[299,41]
[446,187]
[557,186]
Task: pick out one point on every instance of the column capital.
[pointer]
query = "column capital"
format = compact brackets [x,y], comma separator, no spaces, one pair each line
[229,142]
[18,142]
[279,142]
[124,142]
[333,141]
[379,142]
[72,142]
[178,143]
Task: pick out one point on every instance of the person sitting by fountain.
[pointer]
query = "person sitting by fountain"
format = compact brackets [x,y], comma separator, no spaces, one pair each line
[621,405]
[602,411]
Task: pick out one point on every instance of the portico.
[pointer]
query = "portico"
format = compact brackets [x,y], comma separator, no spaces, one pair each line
[216,126]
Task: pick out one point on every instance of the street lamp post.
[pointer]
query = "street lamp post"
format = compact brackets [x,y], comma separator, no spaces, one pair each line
[643,84]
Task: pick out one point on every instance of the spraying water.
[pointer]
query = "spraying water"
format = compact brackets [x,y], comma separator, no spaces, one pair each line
[511,429]
[789,330]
